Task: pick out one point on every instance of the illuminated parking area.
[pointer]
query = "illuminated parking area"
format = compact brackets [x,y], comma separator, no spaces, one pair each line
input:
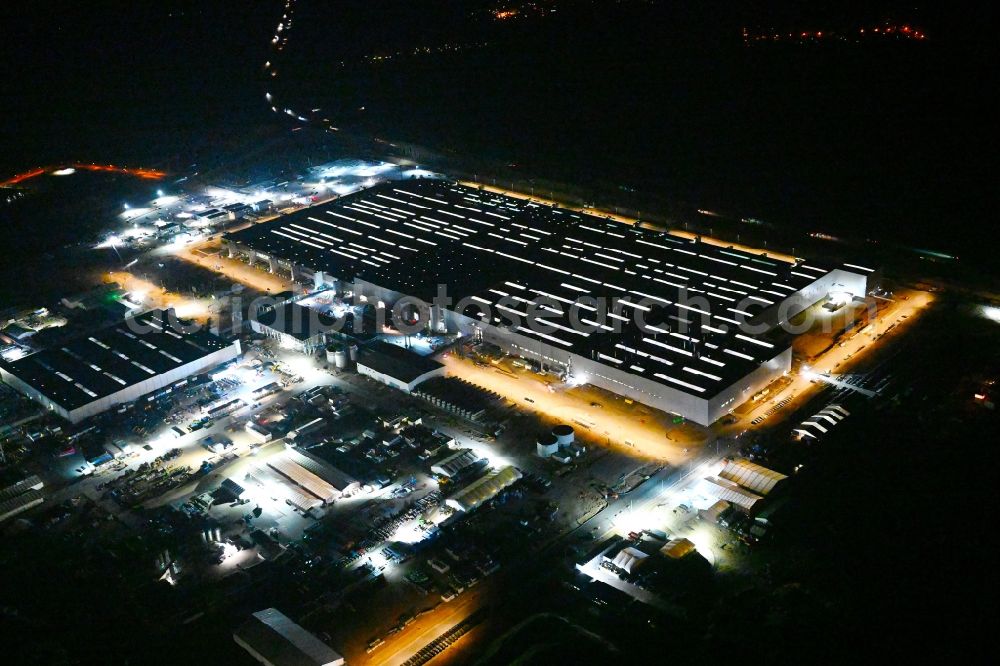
[522,260]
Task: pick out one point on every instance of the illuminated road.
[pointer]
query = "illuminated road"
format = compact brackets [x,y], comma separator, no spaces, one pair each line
[631,221]
[154,296]
[400,647]
[635,428]
[207,255]
[833,381]
[146,174]
[662,491]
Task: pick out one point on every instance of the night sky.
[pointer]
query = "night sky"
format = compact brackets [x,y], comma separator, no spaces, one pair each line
[863,139]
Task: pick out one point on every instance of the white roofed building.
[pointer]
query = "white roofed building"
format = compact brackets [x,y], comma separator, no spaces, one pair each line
[484,489]
[273,639]
[753,477]
[455,463]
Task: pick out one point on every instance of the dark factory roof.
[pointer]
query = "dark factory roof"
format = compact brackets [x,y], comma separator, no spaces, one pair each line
[396,362]
[300,322]
[510,255]
[280,641]
[104,362]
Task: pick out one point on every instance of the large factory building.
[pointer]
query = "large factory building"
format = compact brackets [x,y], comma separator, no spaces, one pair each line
[117,364]
[710,334]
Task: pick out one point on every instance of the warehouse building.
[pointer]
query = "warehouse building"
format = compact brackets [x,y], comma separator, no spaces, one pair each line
[294,326]
[454,464]
[484,489]
[303,478]
[273,639]
[267,482]
[343,483]
[753,477]
[396,367]
[117,364]
[503,258]
[628,559]
[724,489]
[21,496]
[12,506]
[32,482]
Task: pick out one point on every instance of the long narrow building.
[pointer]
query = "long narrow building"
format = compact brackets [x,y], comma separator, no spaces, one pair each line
[563,288]
[304,478]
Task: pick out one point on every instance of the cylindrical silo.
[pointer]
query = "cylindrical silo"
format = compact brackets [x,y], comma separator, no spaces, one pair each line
[564,434]
[547,445]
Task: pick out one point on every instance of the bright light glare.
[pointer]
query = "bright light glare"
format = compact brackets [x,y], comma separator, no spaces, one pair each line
[191,309]
[343,188]
[13,354]
[303,366]
[409,533]
[379,560]
[840,297]
[703,542]
[110,241]
[417,173]
[991,312]
[64,172]
[131,213]
[637,520]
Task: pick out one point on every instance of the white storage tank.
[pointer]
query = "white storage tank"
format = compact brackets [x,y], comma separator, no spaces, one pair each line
[564,434]
[547,445]
[336,355]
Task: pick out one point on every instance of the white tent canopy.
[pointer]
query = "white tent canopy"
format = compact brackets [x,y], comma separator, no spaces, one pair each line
[483,489]
[752,476]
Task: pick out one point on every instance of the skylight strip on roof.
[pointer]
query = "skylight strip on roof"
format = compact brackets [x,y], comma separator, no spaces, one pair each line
[694,371]
[296,238]
[511,256]
[651,297]
[759,270]
[600,263]
[544,335]
[676,350]
[754,341]
[679,382]
[400,233]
